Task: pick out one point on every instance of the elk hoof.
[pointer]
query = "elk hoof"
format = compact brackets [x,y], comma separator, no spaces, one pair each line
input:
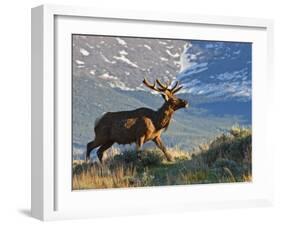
[100,157]
[169,158]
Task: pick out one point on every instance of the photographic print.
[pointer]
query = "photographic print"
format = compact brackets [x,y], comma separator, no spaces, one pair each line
[158,112]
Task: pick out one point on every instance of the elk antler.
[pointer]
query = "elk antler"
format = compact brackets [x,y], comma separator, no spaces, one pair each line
[176,84]
[151,86]
[176,88]
[163,87]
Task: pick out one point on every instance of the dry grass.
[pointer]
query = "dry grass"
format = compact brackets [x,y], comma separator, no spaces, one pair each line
[99,176]
[178,154]
[116,174]
[226,159]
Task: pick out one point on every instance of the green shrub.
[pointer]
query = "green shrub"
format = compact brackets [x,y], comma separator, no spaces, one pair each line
[235,146]
[151,158]
[141,159]
[226,167]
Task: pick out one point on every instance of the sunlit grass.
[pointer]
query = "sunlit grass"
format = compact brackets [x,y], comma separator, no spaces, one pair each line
[226,159]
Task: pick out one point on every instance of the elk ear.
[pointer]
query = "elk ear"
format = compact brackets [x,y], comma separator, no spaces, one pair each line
[165,97]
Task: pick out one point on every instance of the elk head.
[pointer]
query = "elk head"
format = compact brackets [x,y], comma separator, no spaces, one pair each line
[168,94]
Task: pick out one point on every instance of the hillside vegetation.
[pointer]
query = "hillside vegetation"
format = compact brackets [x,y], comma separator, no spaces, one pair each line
[225,159]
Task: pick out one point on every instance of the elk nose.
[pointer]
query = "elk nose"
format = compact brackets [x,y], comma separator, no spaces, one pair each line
[185,103]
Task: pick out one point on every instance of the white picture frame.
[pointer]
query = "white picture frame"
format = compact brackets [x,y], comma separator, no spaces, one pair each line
[52,198]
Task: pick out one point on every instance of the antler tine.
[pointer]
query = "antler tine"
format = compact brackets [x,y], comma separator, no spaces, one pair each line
[175,86]
[163,87]
[149,85]
[177,89]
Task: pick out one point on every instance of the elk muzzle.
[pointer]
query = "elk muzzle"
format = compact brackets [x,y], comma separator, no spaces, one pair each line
[184,104]
[181,104]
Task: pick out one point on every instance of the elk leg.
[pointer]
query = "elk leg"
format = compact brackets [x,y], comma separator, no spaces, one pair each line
[139,143]
[161,145]
[102,149]
[90,146]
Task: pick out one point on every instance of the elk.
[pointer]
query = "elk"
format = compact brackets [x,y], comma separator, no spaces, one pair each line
[137,126]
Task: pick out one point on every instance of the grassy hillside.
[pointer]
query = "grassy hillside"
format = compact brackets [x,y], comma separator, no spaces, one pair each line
[225,159]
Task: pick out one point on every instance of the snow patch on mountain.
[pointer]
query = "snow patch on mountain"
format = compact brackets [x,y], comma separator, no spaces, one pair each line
[79,62]
[92,72]
[174,55]
[84,52]
[106,76]
[121,41]
[120,85]
[184,61]
[126,60]
[163,59]
[192,68]
[147,46]
[163,43]
[216,69]
[123,52]
[89,46]
[107,60]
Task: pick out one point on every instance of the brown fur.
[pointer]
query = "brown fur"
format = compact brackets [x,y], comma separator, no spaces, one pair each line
[137,126]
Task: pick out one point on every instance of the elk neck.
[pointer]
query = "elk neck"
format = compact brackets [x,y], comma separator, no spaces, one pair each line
[163,116]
